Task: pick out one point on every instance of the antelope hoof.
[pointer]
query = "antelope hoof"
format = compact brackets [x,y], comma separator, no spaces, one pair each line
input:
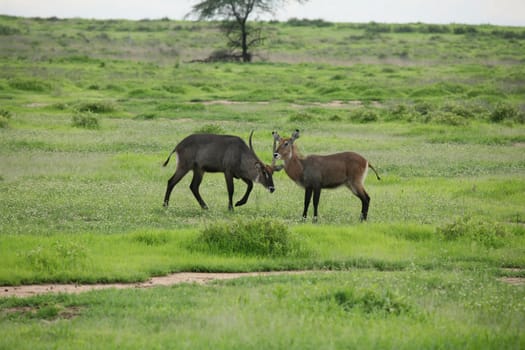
[239,203]
[314,220]
[165,204]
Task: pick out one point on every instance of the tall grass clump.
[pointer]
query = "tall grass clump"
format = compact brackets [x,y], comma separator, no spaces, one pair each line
[475,230]
[371,302]
[210,129]
[5,115]
[30,85]
[504,112]
[257,237]
[59,256]
[86,120]
[364,115]
[96,107]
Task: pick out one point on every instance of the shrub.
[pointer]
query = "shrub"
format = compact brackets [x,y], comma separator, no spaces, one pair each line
[5,113]
[435,28]
[258,237]
[369,302]
[423,108]
[459,109]
[403,29]
[151,238]
[296,22]
[401,112]
[301,117]
[96,107]
[30,85]
[210,129]
[7,30]
[85,120]
[4,122]
[364,115]
[375,28]
[504,112]
[448,118]
[476,230]
[465,30]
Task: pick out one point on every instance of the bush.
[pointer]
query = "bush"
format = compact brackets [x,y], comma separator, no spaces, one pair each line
[504,112]
[4,122]
[5,115]
[476,230]
[30,85]
[85,120]
[296,22]
[376,28]
[151,238]
[96,107]
[301,117]
[364,115]
[369,302]
[465,30]
[7,30]
[210,129]
[448,118]
[258,237]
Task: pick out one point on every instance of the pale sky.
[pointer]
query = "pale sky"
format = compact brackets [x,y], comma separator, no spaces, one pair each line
[497,12]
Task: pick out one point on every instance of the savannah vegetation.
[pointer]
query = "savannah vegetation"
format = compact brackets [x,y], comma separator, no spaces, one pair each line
[90,109]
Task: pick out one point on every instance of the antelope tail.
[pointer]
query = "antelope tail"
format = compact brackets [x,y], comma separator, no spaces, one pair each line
[375,171]
[168,160]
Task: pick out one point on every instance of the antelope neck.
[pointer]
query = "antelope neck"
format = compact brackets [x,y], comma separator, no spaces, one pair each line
[294,167]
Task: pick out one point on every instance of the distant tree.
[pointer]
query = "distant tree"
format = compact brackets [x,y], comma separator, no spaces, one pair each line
[235,14]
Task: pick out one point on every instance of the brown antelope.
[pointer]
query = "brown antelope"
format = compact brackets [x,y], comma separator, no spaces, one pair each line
[316,172]
[218,154]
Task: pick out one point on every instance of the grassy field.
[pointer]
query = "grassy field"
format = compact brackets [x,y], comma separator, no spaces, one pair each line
[89,110]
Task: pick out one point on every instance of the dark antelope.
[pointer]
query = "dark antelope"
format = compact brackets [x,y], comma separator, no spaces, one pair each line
[316,172]
[218,154]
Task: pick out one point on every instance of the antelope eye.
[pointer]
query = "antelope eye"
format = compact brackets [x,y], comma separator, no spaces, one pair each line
[286,143]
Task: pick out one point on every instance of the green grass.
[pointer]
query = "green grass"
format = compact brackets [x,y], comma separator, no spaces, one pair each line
[89,110]
[363,308]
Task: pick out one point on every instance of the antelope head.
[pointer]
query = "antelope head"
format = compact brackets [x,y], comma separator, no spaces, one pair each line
[284,149]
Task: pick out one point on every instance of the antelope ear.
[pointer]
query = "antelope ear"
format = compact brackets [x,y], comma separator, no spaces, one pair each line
[295,135]
[276,136]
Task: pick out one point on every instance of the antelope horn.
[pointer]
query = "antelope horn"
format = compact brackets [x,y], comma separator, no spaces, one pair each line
[275,138]
[250,141]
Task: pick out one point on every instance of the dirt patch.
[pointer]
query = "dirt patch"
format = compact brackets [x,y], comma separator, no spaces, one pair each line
[229,102]
[37,105]
[517,281]
[176,278]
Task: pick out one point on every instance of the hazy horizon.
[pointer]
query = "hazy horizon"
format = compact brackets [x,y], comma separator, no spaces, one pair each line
[502,12]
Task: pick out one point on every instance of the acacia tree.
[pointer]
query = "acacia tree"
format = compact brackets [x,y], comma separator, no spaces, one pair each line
[235,14]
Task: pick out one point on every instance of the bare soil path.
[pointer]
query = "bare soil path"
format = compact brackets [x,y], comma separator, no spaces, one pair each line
[169,280]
